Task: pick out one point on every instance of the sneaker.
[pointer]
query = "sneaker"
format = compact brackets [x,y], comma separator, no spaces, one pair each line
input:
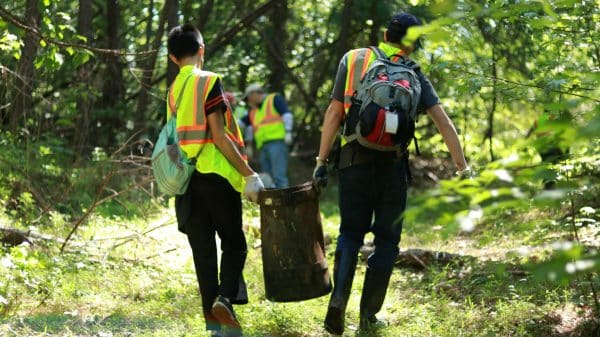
[223,311]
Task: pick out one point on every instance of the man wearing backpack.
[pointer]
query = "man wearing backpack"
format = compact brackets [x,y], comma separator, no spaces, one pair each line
[271,126]
[209,133]
[376,95]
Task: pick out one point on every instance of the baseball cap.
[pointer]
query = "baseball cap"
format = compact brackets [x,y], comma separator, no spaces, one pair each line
[398,26]
[254,87]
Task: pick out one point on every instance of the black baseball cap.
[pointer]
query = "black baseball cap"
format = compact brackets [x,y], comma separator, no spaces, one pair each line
[398,26]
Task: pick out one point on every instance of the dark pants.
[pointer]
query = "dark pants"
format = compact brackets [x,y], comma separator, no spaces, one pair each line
[215,208]
[372,199]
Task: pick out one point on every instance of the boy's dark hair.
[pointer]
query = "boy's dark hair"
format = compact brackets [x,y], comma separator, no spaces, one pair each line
[399,25]
[184,41]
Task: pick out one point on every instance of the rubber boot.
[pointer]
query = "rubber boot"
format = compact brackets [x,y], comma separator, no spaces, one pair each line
[373,295]
[343,274]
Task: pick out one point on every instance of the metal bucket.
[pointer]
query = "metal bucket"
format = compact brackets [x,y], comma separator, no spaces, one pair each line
[293,249]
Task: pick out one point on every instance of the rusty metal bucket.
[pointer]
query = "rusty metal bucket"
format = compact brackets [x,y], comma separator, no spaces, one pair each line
[293,249]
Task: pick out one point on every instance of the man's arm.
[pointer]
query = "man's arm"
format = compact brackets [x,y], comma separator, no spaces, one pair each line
[446,127]
[216,124]
[331,124]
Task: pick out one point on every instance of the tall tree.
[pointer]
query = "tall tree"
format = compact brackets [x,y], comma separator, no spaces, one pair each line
[84,101]
[150,64]
[205,12]
[278,39]
[113,81]
[24,82]
[113,88]
[173,20]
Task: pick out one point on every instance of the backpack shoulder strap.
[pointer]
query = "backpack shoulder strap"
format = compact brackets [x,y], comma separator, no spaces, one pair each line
[411,64]
[180,96]
[379,53]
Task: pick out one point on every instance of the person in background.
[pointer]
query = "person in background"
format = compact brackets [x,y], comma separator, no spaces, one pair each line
[372,184]
[271,125]
[209,133]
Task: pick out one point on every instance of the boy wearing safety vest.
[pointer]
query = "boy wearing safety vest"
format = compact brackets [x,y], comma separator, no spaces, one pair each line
[271,124]
[373,184]
[209,134]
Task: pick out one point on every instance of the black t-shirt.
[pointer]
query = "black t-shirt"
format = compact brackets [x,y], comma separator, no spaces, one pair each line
[216,100]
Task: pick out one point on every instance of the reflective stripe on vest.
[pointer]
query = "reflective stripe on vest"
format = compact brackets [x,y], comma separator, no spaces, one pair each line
[358,63]
[266,122]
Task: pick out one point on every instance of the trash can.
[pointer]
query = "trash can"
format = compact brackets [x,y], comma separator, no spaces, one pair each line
[293,249]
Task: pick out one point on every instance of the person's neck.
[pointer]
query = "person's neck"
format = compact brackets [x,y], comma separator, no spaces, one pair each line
[395,45]
[190,61]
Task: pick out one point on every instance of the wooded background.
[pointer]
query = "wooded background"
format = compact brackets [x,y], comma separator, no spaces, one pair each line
[92,73]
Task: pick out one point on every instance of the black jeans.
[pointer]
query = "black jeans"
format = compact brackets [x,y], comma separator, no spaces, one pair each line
[372,199]
[214,207]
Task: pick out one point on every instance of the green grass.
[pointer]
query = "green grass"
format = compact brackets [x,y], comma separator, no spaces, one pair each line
[147,287]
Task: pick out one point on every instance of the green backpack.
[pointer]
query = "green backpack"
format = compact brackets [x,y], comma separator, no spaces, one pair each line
[171,167]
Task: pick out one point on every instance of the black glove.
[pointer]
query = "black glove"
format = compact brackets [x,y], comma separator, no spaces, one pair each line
[320,172]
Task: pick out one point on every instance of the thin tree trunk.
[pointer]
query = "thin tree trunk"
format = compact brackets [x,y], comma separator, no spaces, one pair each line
[148,71]
[173,20]
[278,40]
[24,83]
[4,103]
[490,130]
[243,79]
[205,12]
[374,34]
[344,43]
[113,89]
[85,100]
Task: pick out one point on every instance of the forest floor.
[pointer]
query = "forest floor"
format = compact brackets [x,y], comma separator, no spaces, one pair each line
[136,278]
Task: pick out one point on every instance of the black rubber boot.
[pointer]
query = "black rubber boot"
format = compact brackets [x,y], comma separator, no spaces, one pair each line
[373,295]
[343,274]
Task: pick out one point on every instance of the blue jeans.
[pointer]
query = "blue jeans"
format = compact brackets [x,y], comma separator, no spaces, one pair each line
[372,199]
[274,161]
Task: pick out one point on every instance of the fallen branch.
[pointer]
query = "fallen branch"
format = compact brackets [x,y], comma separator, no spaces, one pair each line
[14,237]
[89,211]
[419,258]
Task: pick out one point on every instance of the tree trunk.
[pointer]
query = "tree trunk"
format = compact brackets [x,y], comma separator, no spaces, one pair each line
[376,23]
[113,84]
[205,14]
[24,83]
[84,101]
[113,89]
[149,65]
[173,20]
[344,43]
[490,130]
[278,18]
[4,103]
